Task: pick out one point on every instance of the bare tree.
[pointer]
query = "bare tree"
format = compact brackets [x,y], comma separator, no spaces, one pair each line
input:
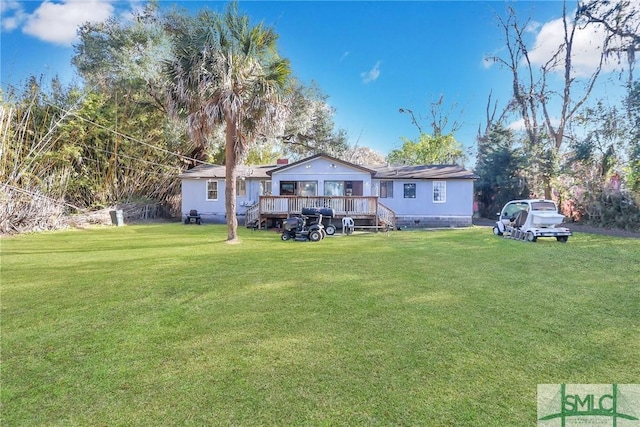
[621,20]
[561,60]
[439,120]
[491,111]
[544,110]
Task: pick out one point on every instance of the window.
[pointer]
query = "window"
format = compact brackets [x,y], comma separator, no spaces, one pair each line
[409,191]
[299,188]
[241,187]
[343,188]
[512,209]
[439,191]
[288,188]
[308,188]
[386,189]
[265,187]
[544,206]
[212,190]
[334,188]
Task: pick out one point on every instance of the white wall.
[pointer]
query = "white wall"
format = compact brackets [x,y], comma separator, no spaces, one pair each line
[321,170]
[194,196]
[459,199]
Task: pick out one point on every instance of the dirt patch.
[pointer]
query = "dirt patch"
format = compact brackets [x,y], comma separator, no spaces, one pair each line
[576,228]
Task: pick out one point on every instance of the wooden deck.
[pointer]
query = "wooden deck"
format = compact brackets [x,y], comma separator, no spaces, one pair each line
[367,209]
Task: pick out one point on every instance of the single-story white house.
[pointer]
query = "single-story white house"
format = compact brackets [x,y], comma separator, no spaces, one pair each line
[374,196]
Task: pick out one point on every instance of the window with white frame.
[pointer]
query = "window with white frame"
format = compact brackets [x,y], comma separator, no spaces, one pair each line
[212,190]
[241,187]
[265,187]
[386,189]
[439,191]
[410,191]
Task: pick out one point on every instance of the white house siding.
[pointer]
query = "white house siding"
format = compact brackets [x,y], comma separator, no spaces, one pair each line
[194,196]
[321,170]
[422,211]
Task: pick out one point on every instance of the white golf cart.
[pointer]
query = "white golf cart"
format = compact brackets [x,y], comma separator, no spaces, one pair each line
[529,219]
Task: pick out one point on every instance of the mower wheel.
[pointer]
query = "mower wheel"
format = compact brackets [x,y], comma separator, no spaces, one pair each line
[285,237]
[497,231]
[330,229]
[562,239]
[315,236]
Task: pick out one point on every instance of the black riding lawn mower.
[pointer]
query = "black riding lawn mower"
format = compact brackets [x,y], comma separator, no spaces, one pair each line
[308,226]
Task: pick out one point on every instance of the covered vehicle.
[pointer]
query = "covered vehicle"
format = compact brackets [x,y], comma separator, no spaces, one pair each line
[529,219]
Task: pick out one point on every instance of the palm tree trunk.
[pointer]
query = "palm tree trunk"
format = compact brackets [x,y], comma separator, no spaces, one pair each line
[230,178]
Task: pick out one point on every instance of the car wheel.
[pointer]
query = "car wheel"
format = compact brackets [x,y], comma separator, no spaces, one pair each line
[531,237]
[497,231]
[330,229]
[315,236]
[562,239]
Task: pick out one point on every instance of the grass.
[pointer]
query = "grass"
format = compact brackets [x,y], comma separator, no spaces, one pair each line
[165,324]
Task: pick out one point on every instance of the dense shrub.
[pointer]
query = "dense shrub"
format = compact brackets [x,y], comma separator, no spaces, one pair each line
[614,210]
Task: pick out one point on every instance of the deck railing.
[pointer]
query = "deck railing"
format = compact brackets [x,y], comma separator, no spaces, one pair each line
[386,215]
[341,205]
[252,215]
[354,206]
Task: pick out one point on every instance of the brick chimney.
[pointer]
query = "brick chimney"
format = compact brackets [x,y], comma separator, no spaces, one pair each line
[282,162]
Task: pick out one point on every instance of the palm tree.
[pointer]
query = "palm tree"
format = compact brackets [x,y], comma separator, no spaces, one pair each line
[227,73]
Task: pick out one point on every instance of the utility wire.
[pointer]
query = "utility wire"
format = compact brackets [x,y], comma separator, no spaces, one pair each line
[126,157]
[130,138]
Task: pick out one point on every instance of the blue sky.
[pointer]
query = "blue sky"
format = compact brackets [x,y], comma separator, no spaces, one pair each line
[370,58]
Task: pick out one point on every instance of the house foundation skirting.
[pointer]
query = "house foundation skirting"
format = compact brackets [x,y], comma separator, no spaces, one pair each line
[433,221]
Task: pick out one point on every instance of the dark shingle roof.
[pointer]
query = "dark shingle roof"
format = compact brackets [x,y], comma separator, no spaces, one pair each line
[423,172]
[214,171]
[377,172]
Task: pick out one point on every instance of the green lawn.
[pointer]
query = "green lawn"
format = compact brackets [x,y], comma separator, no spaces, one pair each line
[166,324]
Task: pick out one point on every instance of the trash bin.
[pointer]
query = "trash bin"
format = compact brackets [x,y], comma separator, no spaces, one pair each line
[117,217]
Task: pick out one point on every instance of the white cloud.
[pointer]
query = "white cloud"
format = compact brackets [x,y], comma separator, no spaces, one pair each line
[344,56]
[58,22]
[532,26]
[371,75]
[487,62]
[11,15]
[587,47]
[518,125]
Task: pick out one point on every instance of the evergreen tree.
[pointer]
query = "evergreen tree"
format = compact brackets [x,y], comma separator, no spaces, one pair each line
[500,165]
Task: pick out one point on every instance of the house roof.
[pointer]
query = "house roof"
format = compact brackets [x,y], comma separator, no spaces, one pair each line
[377,172]
[215,171]
[326,156]
[423,172]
